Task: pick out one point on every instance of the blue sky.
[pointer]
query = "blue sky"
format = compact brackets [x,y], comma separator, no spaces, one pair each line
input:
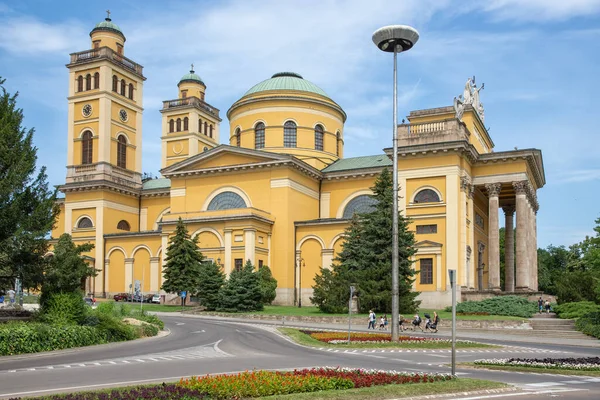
[538,58]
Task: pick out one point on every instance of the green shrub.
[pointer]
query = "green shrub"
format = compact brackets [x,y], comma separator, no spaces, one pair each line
[575,310]
[30,337]
[152,319]
[114,330]
[64,309]
[589,324]
[500,305]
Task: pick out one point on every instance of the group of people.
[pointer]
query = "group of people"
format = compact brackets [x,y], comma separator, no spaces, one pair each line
[543,305]
[431,324]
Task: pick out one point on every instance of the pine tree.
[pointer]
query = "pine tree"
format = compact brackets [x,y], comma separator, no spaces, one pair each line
[183,262]
[242,291]
[268,285]
[212,279]
[27,206]
[366,258]
[66,270]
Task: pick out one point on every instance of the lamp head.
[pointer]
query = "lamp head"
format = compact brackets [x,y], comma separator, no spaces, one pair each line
[389,37]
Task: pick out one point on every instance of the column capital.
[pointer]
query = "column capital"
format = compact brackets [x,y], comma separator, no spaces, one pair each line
[154,259]
[481,246]
[521,187]
[509,211]
[471,191]
[107,261]
[465,183]
[129,260]
[493,189]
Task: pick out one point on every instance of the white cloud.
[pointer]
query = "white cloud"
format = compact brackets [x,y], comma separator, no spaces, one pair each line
[540,10]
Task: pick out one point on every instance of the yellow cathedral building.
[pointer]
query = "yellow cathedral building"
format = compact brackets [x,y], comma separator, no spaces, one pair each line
[281,192]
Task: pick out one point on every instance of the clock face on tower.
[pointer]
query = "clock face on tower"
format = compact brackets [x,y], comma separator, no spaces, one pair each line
[87,110]
[123,115]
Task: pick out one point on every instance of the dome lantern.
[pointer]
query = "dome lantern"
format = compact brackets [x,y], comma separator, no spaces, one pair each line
[108,26]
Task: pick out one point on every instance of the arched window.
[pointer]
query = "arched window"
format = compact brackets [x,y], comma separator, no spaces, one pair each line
[80,83]
[85,223]
[205,128]
[88,82]
[96,80]
[123,225]
[122,152]
[123,87]
[178,124]
[427,196]
[87,147]
[171,125]
[319,132]
[238,137]
[131,91]
[199,125]
[289,134]
[226,201]
[337,144]
[210,132]
[186,123]
[115,83]
[360,204]
[259,136]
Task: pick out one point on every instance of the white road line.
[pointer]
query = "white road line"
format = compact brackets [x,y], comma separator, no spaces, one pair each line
[574,382]
[545,384]
[491,396]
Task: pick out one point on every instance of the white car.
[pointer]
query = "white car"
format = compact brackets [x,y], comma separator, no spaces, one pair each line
[155,299]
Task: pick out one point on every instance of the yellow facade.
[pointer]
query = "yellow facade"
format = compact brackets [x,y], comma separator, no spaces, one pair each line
[281,193]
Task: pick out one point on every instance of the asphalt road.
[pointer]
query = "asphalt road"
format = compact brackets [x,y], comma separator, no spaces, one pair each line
[198,346]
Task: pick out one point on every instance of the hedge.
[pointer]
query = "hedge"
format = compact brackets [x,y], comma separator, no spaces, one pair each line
[589,324]
[576,310]
[501,305]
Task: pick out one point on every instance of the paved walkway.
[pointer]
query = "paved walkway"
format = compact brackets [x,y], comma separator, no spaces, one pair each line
[444,331]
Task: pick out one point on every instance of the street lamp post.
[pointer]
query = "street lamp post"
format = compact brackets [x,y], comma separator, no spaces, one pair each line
[301,264]
[396,39]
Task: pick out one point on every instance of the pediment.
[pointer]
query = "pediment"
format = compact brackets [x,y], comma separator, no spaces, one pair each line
[224,156]
[428,244]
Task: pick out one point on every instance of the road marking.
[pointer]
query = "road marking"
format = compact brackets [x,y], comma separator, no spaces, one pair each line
[179,323]
[491,396]
[545,384]
[201,331]
[574,382]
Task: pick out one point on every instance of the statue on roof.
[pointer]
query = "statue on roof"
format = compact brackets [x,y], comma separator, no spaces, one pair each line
[470,96]
[467,93]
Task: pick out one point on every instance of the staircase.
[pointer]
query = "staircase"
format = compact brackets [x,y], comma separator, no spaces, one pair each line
[548,325]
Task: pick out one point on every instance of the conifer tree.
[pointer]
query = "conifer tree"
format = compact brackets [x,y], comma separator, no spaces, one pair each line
[366,259]
[183,262]
[27,206]
[212,279]
[242,291]
[268,285]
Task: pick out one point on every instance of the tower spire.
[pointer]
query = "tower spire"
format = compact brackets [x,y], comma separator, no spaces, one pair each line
[107,15]
[192,70]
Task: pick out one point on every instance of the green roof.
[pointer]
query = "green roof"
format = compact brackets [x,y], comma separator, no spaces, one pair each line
[286,81]
[160,183]
[108,25]
[191,77]
[345,164]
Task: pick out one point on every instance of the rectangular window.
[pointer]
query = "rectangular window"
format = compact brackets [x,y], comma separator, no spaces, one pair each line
[183,94]
[96,44]
[260,263]
[426,265]
[239,262]
[426,229]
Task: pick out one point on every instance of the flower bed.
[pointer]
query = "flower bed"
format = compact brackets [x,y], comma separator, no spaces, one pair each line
[585,364]
[158,392]
[342,338]
[267,383]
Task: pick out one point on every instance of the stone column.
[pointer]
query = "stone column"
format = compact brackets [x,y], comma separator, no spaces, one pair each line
[493,190]
[534,286]
[471,239]
[250,245]
[464,211]
[522,270]
[509,249]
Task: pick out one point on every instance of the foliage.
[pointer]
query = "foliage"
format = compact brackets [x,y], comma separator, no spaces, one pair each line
[576,286]
[589,324]
[212,279]
[64,309]
[151,392]
[242,291]
[366,259]
[183,262]
[500,305]
[268,285]
[584,363]
[149,318]
[27,206]
[575,310]
[66,270]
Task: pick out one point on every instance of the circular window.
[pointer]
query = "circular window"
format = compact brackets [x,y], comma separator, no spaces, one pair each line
[123,115]
[87,110]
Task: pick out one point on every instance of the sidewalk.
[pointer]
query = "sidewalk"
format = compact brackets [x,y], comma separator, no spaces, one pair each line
[445,330]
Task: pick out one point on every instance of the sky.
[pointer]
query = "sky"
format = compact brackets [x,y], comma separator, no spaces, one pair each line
[538,59]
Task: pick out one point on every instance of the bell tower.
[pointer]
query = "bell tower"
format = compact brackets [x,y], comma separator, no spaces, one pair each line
[189,124]
[105,112]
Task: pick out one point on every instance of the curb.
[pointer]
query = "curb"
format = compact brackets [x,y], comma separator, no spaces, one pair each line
[469,394]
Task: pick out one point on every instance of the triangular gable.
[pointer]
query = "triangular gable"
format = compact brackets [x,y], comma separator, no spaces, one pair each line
[224,156]
[428,243]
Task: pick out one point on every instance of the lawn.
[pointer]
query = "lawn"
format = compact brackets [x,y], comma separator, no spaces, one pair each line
[149,306]
[307,340]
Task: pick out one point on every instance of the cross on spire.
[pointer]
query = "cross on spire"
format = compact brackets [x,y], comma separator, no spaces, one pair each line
[192,70]
[108,15]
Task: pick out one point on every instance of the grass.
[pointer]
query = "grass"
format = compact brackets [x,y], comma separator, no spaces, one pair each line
[396,391]
[306,340]
[562,371]
[315,312]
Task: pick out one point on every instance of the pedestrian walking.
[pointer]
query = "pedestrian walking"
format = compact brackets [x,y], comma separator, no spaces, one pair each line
[540,305]
[372,319]
[547,307]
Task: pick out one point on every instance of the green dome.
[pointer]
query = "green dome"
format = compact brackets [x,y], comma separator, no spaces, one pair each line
[286,81]
[107,25]
[191,77]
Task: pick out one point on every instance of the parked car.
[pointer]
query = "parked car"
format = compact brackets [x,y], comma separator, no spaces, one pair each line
[135,298]
[90,301]
[148,297]
[121,297]
[156,299]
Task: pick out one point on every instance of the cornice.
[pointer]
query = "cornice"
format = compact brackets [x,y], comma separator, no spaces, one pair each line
[533,157]
[357,173]
[322,221]
[156,192]
[219,219]
[98,185]
[132,234]
[462,147]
